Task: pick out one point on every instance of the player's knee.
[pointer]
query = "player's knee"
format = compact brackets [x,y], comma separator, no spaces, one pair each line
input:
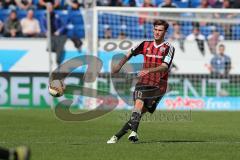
[139,104]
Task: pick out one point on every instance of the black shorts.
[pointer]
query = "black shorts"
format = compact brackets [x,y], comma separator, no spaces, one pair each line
[150,95]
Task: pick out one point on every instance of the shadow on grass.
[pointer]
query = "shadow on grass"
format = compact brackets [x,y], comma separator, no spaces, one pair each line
[172,141]
[165,142]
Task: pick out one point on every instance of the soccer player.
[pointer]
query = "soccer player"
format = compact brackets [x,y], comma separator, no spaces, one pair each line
[19,153]
[152,84]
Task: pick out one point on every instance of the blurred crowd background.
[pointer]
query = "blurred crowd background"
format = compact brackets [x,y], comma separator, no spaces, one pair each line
[27,18]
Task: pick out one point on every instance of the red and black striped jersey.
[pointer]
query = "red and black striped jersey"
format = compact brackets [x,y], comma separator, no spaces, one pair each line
[154,56]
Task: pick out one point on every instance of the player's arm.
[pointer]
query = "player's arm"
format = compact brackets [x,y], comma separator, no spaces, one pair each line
[116,68]
[133,52]
[164,67]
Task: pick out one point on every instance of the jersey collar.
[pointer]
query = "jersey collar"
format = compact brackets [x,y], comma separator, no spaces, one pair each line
[156,46]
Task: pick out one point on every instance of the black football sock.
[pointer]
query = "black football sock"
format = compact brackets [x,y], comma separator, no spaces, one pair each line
[132,124]
[124,130]
[135,120]
[5,154]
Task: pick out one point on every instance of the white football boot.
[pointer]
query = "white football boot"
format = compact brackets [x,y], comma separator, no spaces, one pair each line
[133,137]
[112,140]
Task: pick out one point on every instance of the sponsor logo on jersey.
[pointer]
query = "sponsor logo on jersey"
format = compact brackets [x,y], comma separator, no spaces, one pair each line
[154,56]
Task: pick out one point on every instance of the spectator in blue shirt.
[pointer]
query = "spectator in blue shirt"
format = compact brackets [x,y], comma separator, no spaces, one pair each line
[59,34]
[57,25]
[220,63]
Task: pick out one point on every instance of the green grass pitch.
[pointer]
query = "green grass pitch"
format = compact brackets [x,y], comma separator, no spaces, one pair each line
[207,135]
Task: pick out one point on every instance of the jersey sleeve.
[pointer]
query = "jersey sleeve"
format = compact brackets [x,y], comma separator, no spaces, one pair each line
[169,56]
[137,49]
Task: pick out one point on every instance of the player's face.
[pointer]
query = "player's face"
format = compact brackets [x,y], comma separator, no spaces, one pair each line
[159,32]
[221,50]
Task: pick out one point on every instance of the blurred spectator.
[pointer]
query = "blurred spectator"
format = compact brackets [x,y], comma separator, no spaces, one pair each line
[116,3]
[138,3]
[216,3]
[224,3]
[122,36]
[42,4]
[220,63]
[30,25]
[177,35]
[146,3]
[213,39]
[57,25]
[74,4]
[199,38]
[204,4]
[236,4]
[108,33]
[1,28]
[168,4]
[1,4]
[103,2]
[196,34]
[9,4]
[212,3]
[132,3]
[24,4]
[12,26]
[58,34]
[226,27]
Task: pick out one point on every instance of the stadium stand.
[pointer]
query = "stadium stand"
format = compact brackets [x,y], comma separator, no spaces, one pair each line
[124,24]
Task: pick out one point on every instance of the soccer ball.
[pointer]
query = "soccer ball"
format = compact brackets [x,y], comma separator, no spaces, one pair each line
[56,88]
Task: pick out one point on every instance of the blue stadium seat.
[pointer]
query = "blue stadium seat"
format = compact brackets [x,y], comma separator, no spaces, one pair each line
[236,32]
[181,4]
[21,14]
[39,14]
[131,21]
[157,2]
[186,30]
[206,30]
[35,2]
[4,14]
[195,3]
[100,31]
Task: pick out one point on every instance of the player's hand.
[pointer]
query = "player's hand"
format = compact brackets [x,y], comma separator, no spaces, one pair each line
[143,72]
[116,68]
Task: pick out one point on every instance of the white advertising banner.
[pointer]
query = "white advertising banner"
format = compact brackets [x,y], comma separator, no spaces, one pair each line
[30,55]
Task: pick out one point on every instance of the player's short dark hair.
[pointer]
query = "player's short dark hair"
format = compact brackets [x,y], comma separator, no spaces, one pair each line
[222,45]
[161,22]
